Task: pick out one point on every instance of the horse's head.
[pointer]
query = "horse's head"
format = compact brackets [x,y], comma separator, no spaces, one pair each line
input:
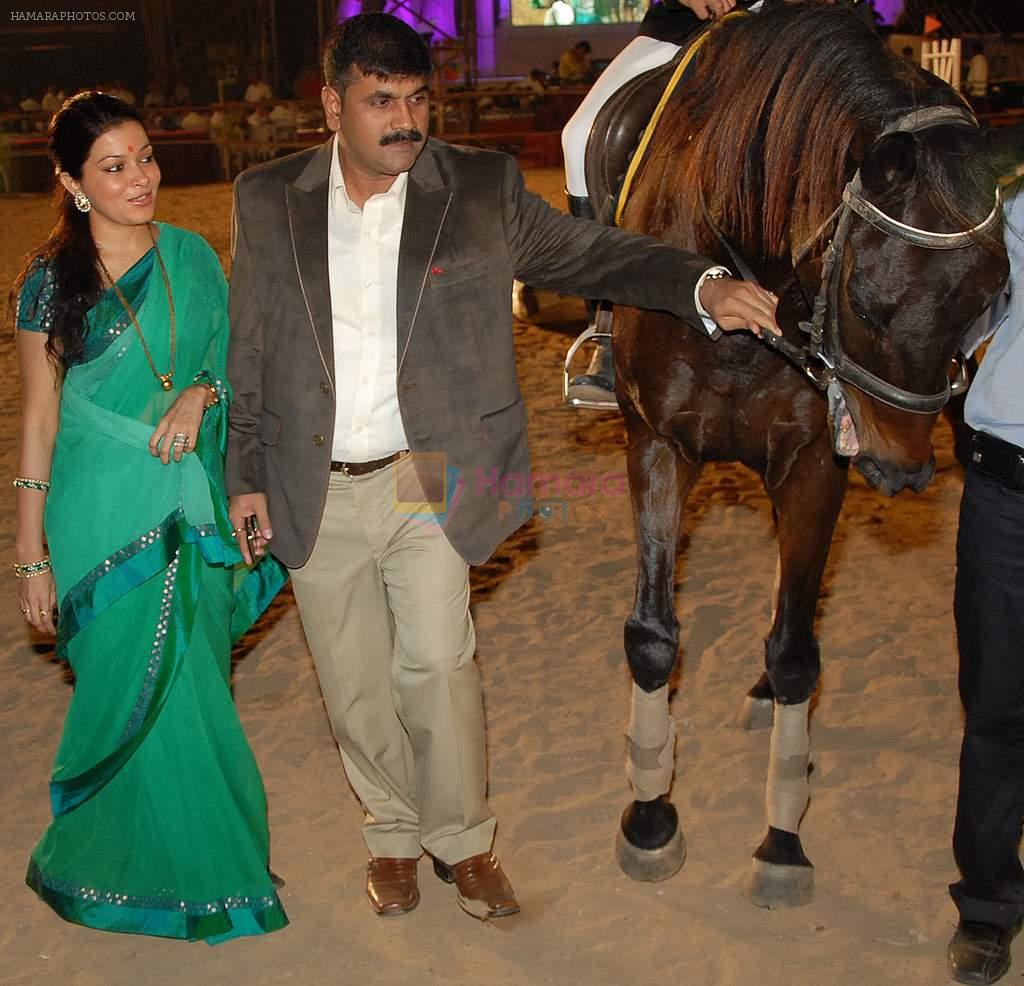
[903,301]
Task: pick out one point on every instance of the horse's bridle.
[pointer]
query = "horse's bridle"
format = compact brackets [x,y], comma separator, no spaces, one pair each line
[823,358]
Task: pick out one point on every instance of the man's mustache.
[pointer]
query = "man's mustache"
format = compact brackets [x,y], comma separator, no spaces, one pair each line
[400,136]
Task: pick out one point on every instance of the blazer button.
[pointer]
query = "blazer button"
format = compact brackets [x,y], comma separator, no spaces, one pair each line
[318,440]
[325,387]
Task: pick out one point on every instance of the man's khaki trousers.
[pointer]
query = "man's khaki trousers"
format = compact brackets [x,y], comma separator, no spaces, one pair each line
[384,601]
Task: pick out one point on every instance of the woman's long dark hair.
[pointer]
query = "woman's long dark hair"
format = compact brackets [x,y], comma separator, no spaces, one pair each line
[69,252]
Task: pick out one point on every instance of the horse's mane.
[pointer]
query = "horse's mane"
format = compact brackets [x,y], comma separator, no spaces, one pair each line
[779,105]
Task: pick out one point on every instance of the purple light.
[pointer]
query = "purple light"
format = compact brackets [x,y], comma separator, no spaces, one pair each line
[889,10]
[432,16]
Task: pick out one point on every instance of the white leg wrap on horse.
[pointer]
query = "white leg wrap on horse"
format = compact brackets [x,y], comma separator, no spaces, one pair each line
[651,744]
[788,791]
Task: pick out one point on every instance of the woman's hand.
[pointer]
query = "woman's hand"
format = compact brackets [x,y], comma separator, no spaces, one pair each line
[38,600]
[183,417]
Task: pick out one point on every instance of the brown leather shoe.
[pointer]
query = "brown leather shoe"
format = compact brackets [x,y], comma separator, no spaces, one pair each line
[391,885]
[483,889]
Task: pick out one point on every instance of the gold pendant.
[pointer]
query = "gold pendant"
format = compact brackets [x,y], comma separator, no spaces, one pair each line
[166,382]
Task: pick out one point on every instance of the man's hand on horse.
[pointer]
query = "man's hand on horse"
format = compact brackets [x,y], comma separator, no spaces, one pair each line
[735,304]
[710,8]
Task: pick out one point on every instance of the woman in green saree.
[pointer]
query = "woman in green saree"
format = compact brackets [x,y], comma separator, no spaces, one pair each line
[159,815]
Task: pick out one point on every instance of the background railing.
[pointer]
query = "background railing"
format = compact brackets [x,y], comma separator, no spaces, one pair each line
[215,142]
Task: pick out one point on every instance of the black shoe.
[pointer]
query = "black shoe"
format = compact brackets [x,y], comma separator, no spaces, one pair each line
[979,953]
[597,385]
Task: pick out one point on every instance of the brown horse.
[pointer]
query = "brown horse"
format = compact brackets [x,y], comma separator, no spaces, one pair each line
[861,191]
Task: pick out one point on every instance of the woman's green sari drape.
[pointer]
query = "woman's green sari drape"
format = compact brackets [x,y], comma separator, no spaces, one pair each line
[159,815]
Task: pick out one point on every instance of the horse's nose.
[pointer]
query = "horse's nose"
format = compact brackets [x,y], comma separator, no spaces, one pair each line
[890,478]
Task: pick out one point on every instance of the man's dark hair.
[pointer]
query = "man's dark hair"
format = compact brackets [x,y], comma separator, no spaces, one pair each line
[374,44]
[584,46]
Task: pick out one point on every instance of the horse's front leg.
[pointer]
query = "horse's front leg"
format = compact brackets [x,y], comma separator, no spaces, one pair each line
[807,504]
[650,845]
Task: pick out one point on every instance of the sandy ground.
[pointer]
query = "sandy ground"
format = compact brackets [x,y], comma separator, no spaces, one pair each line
[549,610]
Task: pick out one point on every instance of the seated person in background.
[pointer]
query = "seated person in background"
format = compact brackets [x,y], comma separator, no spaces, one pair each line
[532,84]
[52,100]
[574,66]
[154,95]
[119,91]
[977,74]
[257,90]
[195,121]
[282,120]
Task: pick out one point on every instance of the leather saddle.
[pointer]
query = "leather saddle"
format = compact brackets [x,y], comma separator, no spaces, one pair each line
[615,137]
[620,125]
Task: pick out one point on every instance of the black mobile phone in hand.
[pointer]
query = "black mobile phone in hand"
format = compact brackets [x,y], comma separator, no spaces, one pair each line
[251,528]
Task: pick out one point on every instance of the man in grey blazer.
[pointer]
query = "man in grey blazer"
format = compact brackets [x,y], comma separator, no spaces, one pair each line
[378,435]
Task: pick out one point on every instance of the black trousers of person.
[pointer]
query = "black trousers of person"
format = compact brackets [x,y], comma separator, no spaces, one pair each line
[989,611]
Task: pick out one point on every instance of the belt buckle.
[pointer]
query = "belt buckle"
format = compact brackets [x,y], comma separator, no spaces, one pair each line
[344,469]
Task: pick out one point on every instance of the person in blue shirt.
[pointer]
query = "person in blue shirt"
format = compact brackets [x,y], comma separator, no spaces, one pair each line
[989,613]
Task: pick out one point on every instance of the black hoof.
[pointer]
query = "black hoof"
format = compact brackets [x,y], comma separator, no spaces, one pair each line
[775,885]
[649,845]
[758,708]
[780,874]
[762,688]
[756,713]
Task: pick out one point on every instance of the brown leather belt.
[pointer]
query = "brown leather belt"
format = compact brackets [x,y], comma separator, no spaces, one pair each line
[365,468]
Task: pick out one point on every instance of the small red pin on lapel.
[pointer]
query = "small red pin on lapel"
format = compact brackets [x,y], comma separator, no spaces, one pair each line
[436,270]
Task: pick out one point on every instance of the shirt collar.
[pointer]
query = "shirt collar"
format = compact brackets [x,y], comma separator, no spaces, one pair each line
[337,183]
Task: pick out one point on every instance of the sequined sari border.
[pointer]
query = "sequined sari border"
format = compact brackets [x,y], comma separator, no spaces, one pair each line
[166,917]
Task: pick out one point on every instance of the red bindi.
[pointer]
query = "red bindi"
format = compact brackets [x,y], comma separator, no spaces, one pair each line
[130,148]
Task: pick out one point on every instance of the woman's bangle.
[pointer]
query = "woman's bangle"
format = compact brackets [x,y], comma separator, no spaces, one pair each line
[24,483]
[32,568]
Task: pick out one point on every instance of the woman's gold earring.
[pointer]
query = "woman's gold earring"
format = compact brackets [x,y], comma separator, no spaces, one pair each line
[82,203]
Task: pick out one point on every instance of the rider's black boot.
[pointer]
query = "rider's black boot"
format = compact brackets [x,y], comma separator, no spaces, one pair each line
[580,207]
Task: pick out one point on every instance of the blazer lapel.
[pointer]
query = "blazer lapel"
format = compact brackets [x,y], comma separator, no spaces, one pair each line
[307,227]
[427,200]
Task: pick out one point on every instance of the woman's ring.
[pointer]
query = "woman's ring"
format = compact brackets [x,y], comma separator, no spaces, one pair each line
[180,439]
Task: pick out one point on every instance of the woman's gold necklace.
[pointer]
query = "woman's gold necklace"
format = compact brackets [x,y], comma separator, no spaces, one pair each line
[166,380]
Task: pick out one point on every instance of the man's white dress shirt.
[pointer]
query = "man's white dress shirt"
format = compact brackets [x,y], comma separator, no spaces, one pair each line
[362,257]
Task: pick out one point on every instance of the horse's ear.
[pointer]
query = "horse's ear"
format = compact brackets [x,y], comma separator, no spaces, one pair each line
[1007,147]
[890,163]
